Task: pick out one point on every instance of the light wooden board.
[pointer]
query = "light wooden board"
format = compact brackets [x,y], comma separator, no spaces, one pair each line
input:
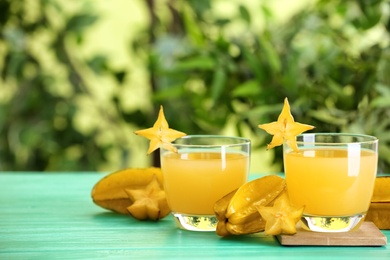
[367,235]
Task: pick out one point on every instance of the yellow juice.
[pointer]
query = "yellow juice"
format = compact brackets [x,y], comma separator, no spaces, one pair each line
[331,182]
[195,181]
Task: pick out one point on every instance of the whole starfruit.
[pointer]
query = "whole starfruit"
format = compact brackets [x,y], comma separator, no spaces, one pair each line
[133,191]
[237,212]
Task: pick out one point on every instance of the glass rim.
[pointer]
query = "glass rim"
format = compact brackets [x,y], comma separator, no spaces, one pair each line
[242,141]
[366,139]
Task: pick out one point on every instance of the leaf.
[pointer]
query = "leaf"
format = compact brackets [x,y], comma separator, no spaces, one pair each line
[174,91]
[192,28]
[221,22]
[371,13]
[324,116]
[98,64]
[218,83]
[383,136]
[262,111]
[249,88]
[380,102]
[383,98]
[80,22]
[271,54]
[385,152]
[197,62]
[244,13]
[266,12]
[254,63]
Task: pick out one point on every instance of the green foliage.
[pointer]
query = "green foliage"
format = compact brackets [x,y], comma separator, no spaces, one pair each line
[322,59]
[208,68]
[41,83]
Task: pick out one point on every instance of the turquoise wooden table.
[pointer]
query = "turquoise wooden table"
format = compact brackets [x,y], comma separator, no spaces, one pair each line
[51,216]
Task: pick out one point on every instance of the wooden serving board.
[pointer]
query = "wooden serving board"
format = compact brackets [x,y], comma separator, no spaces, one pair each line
[367,235]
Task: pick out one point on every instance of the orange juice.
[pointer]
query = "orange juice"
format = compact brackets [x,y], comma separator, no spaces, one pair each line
[195,181]
[331,181]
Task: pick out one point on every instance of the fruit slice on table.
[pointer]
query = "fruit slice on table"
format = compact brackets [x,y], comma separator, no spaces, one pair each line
[282,217]
[149,202]
[160,134]
[285,129]
[110,192]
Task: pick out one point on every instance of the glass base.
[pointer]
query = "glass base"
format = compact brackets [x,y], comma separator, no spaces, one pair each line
[332,224]
[196,222]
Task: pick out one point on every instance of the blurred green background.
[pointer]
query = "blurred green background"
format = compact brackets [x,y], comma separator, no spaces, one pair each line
[78,77]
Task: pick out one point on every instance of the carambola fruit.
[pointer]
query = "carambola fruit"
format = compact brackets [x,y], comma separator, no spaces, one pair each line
[379,211]
[237,212]
[149,202]
[282,217]
[120,191]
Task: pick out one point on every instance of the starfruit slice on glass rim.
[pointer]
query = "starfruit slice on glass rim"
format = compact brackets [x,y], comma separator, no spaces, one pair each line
[285,129]
[160,134]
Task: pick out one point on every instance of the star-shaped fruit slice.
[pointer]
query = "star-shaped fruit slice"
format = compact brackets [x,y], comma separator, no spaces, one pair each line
[282,217]
[148,203]
[160,134]
[285,129]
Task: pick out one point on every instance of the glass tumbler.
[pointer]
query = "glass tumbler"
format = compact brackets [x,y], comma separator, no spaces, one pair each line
[333,177]
[203,170]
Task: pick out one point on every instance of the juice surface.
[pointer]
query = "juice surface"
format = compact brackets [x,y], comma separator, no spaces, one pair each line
[331,182]
[195,181]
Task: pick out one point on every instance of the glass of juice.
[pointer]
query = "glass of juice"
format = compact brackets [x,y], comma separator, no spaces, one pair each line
[204,169]
[332,176]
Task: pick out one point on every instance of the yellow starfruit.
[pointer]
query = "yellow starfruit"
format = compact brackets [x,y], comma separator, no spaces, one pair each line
[160,134]
[282,217]
[148,203]
[285,129]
